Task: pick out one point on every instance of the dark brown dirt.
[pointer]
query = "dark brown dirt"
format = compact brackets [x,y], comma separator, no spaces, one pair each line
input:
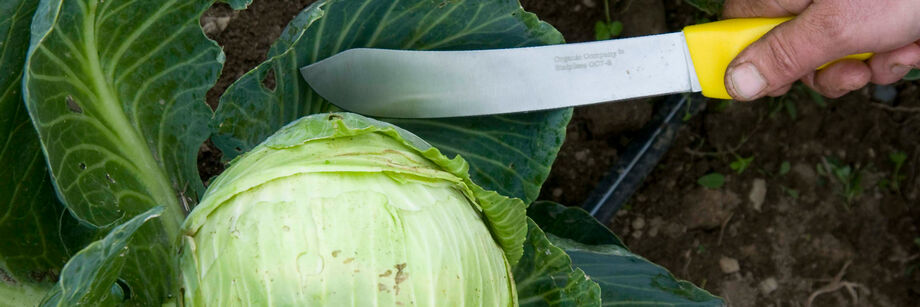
[245,37]
[248,35]
[799,242]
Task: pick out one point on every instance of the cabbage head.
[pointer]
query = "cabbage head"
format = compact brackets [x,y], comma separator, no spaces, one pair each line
[343,210]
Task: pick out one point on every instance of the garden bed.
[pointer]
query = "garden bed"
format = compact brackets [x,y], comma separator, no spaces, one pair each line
[790,229]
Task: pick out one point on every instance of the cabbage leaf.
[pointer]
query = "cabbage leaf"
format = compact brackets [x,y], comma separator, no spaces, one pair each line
[116,92]
[33,223]
[624,277]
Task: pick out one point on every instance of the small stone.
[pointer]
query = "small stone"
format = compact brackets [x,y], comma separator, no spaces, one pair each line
[705,208]
[656,221]
[653,232]
[671,184]
[884,93]
[637,234]
[768,285]
[749,250]
[655,226]
[557,192]
[621,212]
[212,25]
[729,265]
[589,3]
[674,231]
[871,153]
[581,155]
[805,173]
[758,193]
[638,223]
[740,292]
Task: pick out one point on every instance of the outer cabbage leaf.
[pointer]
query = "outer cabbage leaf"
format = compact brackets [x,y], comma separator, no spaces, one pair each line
[624,278]
[571,223]
[238,4]
[628,279]
[510,154]
[116,92]
[89,278]
[545,276]
[33,222]
[914,74]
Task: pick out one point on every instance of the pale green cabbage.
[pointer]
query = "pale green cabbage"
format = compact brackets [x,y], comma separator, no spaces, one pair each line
[341,210]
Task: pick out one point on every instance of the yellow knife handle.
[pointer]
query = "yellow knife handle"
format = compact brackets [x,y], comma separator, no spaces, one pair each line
[714,45]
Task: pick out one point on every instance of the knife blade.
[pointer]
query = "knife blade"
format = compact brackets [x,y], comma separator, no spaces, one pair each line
[432,84]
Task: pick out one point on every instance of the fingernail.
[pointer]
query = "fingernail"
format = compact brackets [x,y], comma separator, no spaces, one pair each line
[899,69]
[746,81]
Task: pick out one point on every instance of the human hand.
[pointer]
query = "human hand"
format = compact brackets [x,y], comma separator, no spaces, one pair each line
[825,30]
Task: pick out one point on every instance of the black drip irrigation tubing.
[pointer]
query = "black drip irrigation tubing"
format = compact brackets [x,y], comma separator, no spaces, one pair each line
[641,155]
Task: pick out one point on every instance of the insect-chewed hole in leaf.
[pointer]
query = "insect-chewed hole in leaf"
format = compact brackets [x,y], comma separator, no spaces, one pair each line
[332,117]
[72,105]
[6,277]
[238,149]
[109,178]
[268,82]
[122,287]
[40,276]
[82,166]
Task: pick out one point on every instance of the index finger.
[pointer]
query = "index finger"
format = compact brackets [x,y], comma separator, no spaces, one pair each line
[763,8]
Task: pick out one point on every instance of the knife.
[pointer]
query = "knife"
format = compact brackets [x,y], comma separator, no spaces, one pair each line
[432,84]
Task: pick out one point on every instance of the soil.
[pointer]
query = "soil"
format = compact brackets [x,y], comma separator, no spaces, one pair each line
[772,235]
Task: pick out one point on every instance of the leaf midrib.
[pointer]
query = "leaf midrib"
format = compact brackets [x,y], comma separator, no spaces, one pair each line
[110,111]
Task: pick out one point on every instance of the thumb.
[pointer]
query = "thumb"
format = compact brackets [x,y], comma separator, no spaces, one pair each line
[784,55]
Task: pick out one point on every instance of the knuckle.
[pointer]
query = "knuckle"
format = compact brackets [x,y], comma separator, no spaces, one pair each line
[828,28]
[792,7]
[758,8]
[785,58]
[736,9]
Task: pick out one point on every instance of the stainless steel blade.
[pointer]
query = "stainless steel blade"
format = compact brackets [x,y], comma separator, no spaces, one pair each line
[426,84]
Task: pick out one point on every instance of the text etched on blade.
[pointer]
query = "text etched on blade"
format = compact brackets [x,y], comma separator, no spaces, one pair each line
[585,60]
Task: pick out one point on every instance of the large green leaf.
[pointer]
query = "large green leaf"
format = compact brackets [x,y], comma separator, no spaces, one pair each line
[32,250]
[628,279]
[572,223]
[116,91]
[90,277]
[545,277]
[625,278]
[914,74]
[511,154]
